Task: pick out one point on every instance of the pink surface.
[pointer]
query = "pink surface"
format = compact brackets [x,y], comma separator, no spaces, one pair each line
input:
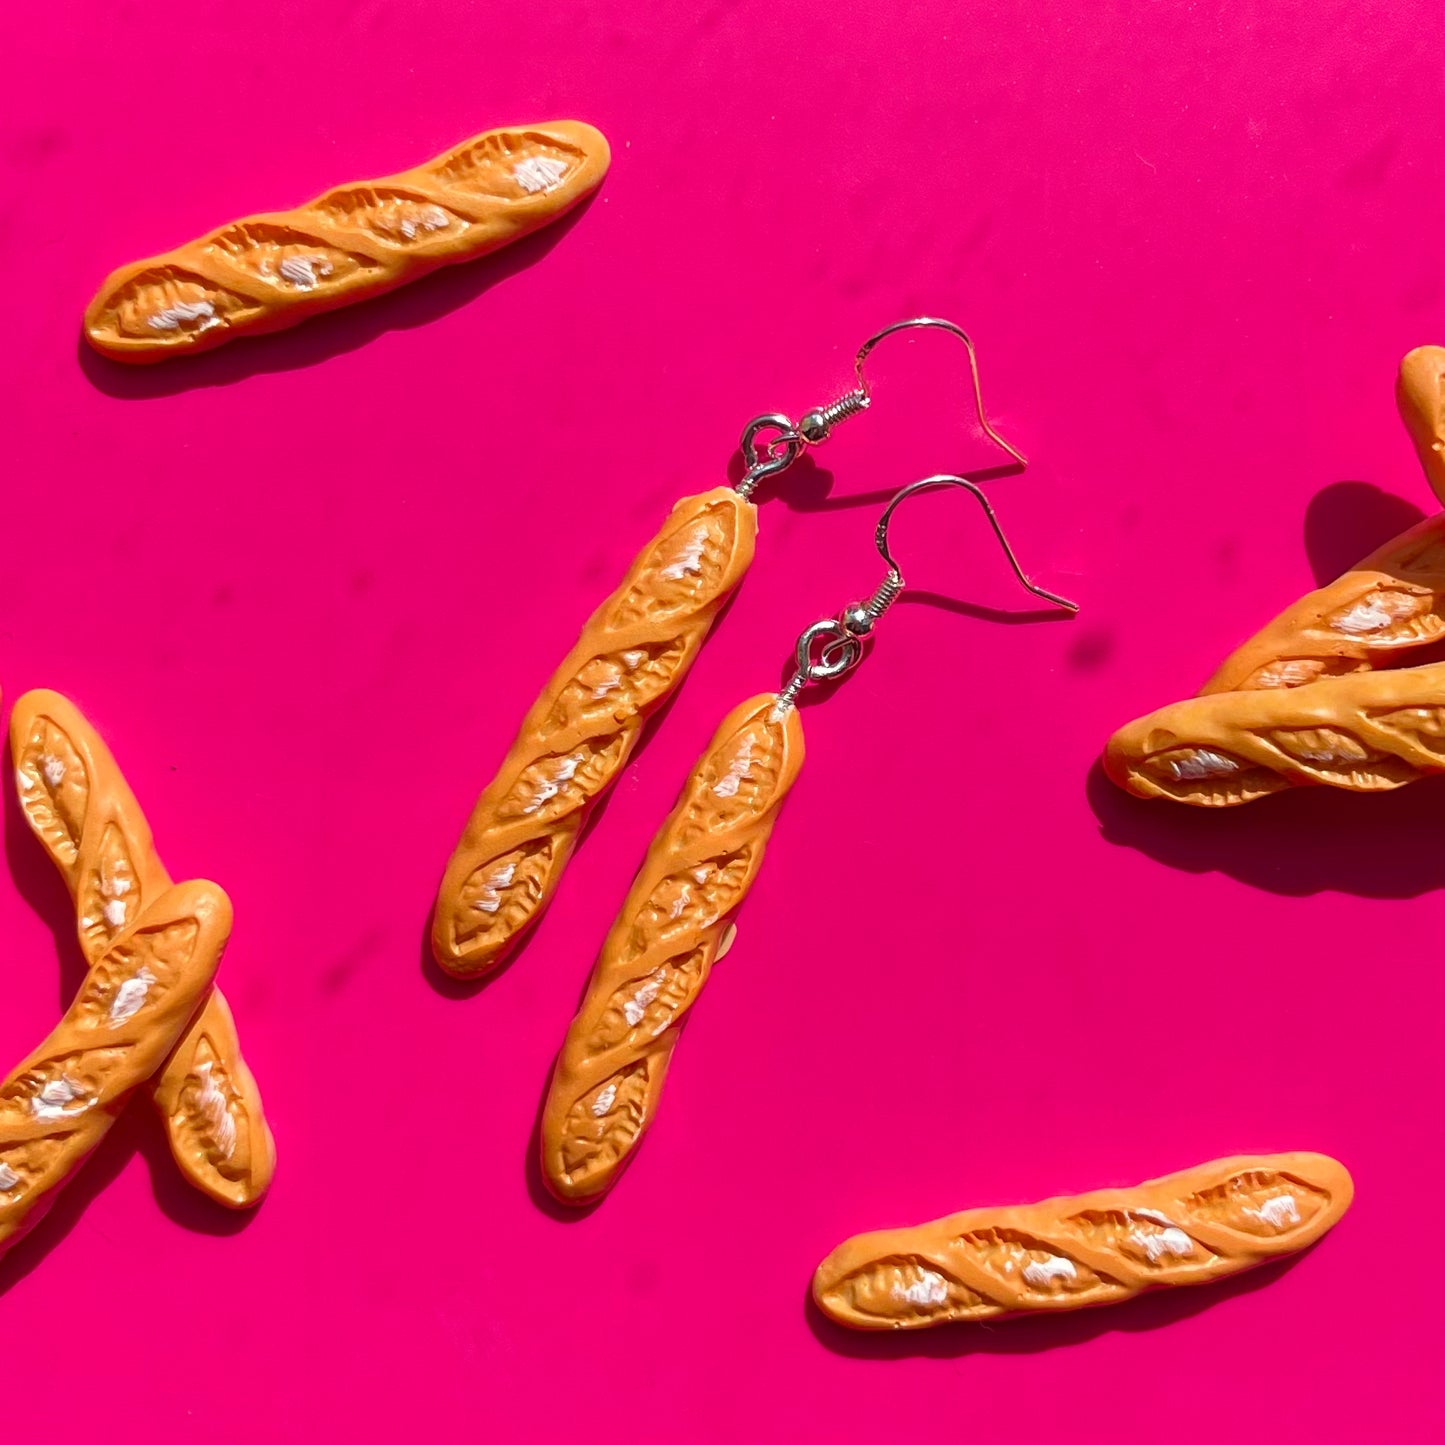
[306,586]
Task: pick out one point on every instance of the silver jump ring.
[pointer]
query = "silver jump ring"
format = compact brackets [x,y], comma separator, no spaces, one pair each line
[839,651]
[773,454]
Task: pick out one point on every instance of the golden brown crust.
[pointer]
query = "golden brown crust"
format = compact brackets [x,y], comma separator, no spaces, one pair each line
[78,804]
[266,272]
[57,1105]
[608,1077]
[1420,393]
[1070,1253]
[575,741]
[1391,602]
[1366,732]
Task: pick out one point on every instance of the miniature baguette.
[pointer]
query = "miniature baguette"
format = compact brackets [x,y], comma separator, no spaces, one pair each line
[78,804]
[1366,732]
[266,272]
[579,734]
[1089,1249]
[608,1077]
[135,1001]
[1391,602]
[1420,393]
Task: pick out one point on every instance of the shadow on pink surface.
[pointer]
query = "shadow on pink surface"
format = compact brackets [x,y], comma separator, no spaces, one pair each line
[137,1131]
[334,332]
[1009,616]
[808,487]
[1308,840]
[1033,1334]
[1345,522]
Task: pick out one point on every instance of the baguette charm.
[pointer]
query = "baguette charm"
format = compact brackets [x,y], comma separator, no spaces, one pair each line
[266,272]
[580,732]
[132,1007]
[1091,1249]
[78,805]
[1367,732]
[609,1075]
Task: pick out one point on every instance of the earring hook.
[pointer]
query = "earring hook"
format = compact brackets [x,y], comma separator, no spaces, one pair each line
[893,584]
[836,645]
[772,443]
[939,324]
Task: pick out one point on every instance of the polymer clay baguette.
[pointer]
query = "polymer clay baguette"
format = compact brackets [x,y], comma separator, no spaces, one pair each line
[132,1007]
[78,805]
[1090,1249]
[608,1077]
[1366,732]
[571,746]
[270,271]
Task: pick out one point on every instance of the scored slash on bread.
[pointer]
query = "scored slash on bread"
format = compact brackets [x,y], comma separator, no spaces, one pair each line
[133,1005]
[574,742]
[676,920]
[1075,1252]
[358,240]
[79,806]
[1318,695]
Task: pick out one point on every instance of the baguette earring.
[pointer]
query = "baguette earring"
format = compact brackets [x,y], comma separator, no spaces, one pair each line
[676,921]
[633,652]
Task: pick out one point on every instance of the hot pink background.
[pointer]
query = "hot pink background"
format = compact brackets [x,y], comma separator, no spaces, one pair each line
[306,586]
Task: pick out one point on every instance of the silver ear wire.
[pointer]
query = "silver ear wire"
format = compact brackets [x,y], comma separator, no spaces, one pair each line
[772,443]
[937,323]
[836,645]
[893,583]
